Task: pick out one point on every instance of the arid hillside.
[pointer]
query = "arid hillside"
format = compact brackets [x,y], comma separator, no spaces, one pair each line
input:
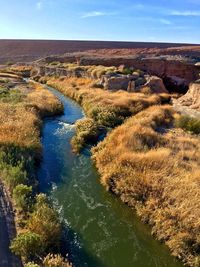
[28,50]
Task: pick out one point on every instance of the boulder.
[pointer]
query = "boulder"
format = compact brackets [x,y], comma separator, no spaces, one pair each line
[116,82]
[156,84]
[192,97]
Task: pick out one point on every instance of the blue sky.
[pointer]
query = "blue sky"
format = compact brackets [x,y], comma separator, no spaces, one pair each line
[123,20]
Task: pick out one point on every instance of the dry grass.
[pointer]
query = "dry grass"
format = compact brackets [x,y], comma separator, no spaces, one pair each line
[9,75]
[81,89]
[44,101]
[107,109]
[20,120]
[20,68]
[156,170]
[18,125]
[20,117]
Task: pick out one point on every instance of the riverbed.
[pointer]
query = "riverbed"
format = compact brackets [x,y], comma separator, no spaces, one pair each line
[101,231]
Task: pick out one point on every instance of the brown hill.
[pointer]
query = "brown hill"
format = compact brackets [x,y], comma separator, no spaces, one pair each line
[28,50]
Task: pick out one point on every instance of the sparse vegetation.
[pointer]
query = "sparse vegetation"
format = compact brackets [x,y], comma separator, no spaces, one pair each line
[189,124]
[22,70]
[9,75]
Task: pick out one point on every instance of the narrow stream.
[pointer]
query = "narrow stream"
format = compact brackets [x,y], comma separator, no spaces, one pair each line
[102,231]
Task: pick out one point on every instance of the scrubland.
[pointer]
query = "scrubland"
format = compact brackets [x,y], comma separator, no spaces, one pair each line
[105,109]
[154,168]
[150,158]
[37,222]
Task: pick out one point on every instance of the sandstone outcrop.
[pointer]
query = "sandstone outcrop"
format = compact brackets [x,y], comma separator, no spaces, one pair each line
[177,74]
[117,82]
[192,98]
[171,70]
[155,84]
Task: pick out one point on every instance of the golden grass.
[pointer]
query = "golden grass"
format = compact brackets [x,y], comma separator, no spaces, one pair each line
[9,75]
[21,111]
[155,169]
[107,109]
[21,68]
[81,89]
[20,122]
[44,101]
[19,126]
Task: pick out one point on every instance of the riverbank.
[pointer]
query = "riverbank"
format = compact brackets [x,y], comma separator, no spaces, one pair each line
[21,111]
[104,109]
[101,230]
[154,168]
[148,162]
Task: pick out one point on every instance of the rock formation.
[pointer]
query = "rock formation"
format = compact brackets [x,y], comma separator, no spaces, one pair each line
[155,84]
[192,98]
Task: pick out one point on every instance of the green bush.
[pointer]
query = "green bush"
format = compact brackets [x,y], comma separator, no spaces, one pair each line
[22,197]
[127,71]
[10,96]
[86,131]
[13,175]
[106,117]
[27,245]
[44,221]
[188,124]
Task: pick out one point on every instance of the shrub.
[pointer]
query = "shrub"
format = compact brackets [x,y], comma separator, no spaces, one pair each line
[55,261]
[44,221]
[127,71]
[13,175]
[11,96]
[86,131]
[189,124]
[22,196]
[27,245]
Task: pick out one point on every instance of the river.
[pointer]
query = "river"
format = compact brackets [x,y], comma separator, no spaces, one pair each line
[101,230]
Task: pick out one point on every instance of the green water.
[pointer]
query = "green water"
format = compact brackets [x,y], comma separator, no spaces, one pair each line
[101,230]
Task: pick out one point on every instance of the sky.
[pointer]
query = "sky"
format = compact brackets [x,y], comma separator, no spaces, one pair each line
[119,20]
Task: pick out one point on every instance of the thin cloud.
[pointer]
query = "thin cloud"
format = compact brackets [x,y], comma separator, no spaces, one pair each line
[39,5]
[187,13]
[96,14]
[165,21]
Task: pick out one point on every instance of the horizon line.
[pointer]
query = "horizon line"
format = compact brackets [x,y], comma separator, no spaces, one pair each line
[93,40]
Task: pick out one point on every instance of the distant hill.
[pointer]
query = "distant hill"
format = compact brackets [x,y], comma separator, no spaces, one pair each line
[28,50]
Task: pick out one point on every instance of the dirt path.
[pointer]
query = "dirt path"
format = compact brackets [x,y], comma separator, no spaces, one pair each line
[7,231]
[185,110]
